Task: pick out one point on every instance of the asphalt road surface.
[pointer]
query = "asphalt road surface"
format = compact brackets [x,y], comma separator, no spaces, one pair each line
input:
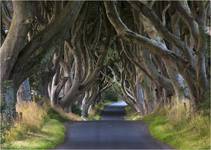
[112,132]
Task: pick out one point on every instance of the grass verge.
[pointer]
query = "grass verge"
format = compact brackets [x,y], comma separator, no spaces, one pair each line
[181,133]
[50,135]
[26,134]
[132,114]
[67,116]
[95,112]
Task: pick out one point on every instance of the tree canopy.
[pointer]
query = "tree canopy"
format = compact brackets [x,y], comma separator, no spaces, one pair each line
[155,52]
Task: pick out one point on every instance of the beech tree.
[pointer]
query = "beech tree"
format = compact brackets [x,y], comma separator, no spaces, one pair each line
[192,66]
[33,29]
[154,52]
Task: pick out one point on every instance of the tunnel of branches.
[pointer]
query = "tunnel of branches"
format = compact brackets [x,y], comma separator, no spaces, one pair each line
[152,53]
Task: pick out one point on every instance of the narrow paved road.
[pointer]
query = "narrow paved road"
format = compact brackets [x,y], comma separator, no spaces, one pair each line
[112,132]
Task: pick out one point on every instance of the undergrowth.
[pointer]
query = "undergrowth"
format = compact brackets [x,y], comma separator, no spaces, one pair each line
[39,127]
[94,114]
[132,114]
[180,129]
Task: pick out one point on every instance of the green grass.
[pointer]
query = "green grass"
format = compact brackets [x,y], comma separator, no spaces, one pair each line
[132,114]
[94,117]
[96,110]
[184,134]
[95,113]
[55,115]
[50,135]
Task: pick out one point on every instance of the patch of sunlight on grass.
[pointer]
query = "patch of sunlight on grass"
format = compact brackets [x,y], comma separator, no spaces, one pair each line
[51,134]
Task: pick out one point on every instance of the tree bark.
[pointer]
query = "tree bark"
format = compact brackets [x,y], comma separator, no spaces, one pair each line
[24,92]
[9,52]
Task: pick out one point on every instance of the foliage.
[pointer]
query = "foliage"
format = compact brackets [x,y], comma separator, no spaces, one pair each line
[95,113]
[76,109]
[94,116]
[110,95]
[132,114]
[111,56]
[96,110]
[180,130]
[205,106]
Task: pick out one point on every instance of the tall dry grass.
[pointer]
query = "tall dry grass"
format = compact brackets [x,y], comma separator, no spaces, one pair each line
[179,111]
[31,118]
[181,126]
[68,116]
[33,115]
[182,116]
